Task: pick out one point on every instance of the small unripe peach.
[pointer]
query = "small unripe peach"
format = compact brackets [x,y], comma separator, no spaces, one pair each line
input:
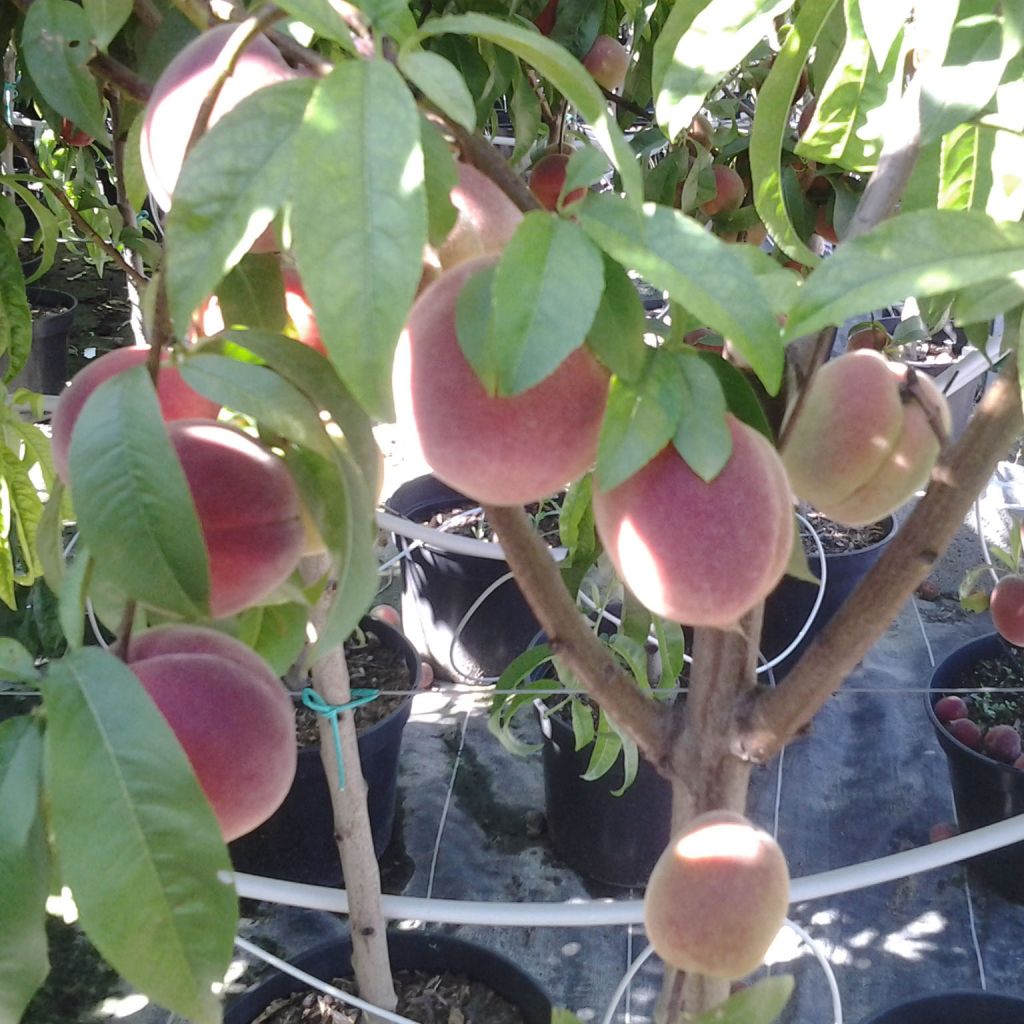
[177,400]
[865,438]
[503,450]
[875,337]
[230,713]
[688,548]
[607,61]
[1007,607]
[386,614]
[717,897]
[730,191]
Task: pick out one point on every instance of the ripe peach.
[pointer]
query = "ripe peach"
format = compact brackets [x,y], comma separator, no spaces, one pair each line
[545,21]
[823,226]
[865,437]
[875,337]
[607,61]
[1007,607]
[729,194]
[502,450]
[966,731]
[548,178]
[701,131]
[249,510]
[72,135]
[177,400]
[387,614]
[179,92]
[1002,743]
[485,221]
[950,708]
[806,116]
[717,897]
[230,713]
[695,552]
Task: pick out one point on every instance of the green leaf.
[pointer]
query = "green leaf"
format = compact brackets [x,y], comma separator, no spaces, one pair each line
[533,330]
[26,509]
[965,174]
[607,747]
[771,126]
[505,708]
[577,23]
[231,186]
[583,731]
[276,632]
[128,817]
[702,437]
[322,17]
[252,294]
[740,398]
[124,471]
[698,45]
[441,83]
[16,663]
[759,1003]
[260,393]
[616,336]
[24,866]
[568,76]
[56,43]
[710,278]
[15,319]
[882,21]
[361,264]
[72,594]
[107,18]
[440,177]
[49,226]
[524,106]
[672,649]
[925,253]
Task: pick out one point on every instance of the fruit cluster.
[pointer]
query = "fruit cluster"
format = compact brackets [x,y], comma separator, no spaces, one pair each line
[1001,742]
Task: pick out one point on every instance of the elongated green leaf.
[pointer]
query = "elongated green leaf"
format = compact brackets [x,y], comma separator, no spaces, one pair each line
[26,508]
[504,708]
[923,254]
[701,436]
[441,177]
[524,106]
[698,45]
[276,632]
[532,328]
[966,168]
[24,866]
[322,484]
[323,18]
[16,320]
[16,663]
[124,471]
[616,336]
[441,83]
[698,270]
[49,228]
[672,649]
[882,21]
[72,594]
[129,817]
[258,392]
[568,76]
[56,42]
[583,730]
[607,746]
[771,126]
[359,255]
[252,294]
[106,17]
[234,181]
[759,1003]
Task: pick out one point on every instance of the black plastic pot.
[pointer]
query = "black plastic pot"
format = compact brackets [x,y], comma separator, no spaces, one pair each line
[984,791]
[611,839]
[409,950]
[961,1007]
[297,842]
[47,368]
[788,606]
[439,587]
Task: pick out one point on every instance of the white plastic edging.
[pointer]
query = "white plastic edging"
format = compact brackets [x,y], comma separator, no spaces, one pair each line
[597,913]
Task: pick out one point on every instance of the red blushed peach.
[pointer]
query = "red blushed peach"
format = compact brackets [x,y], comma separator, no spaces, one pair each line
[717,897]
[179,92]
[545,21]
[1007,607]
[249,510]
[500,450]
[547,179]
[177,400]
[232,716]
[730,191]
[865,437]
[696,552]
[607,61]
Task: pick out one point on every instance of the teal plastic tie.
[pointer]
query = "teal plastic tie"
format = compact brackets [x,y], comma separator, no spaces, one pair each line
[317,704]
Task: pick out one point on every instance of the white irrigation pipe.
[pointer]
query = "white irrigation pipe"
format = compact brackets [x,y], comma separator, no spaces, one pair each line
[830,975]
[597,913]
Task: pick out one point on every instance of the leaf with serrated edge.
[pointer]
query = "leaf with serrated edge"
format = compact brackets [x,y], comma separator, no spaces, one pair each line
[771,126]
[234,181]
[699,44]
[439,81]
[925,253]
[360,145]
[566,74]
[24,866]
[56,45]
[703,273]
[128,816]
[124,470]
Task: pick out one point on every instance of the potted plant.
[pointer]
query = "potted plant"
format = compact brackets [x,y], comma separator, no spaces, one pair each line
[949,1007]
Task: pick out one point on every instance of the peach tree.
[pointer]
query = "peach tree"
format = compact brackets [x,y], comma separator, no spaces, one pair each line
[333,167]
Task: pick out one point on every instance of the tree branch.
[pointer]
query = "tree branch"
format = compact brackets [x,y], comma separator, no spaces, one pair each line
[482,155]
[775,716]
[646,722]
[123,79]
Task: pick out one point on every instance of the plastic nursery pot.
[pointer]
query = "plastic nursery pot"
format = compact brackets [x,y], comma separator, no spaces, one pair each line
[47,368]
[984,791]
[439,588]
[788,607]
[410,950]
[607,838]
[297,842]
[961,1007]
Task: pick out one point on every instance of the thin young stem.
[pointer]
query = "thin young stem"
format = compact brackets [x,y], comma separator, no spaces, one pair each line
[77,219]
